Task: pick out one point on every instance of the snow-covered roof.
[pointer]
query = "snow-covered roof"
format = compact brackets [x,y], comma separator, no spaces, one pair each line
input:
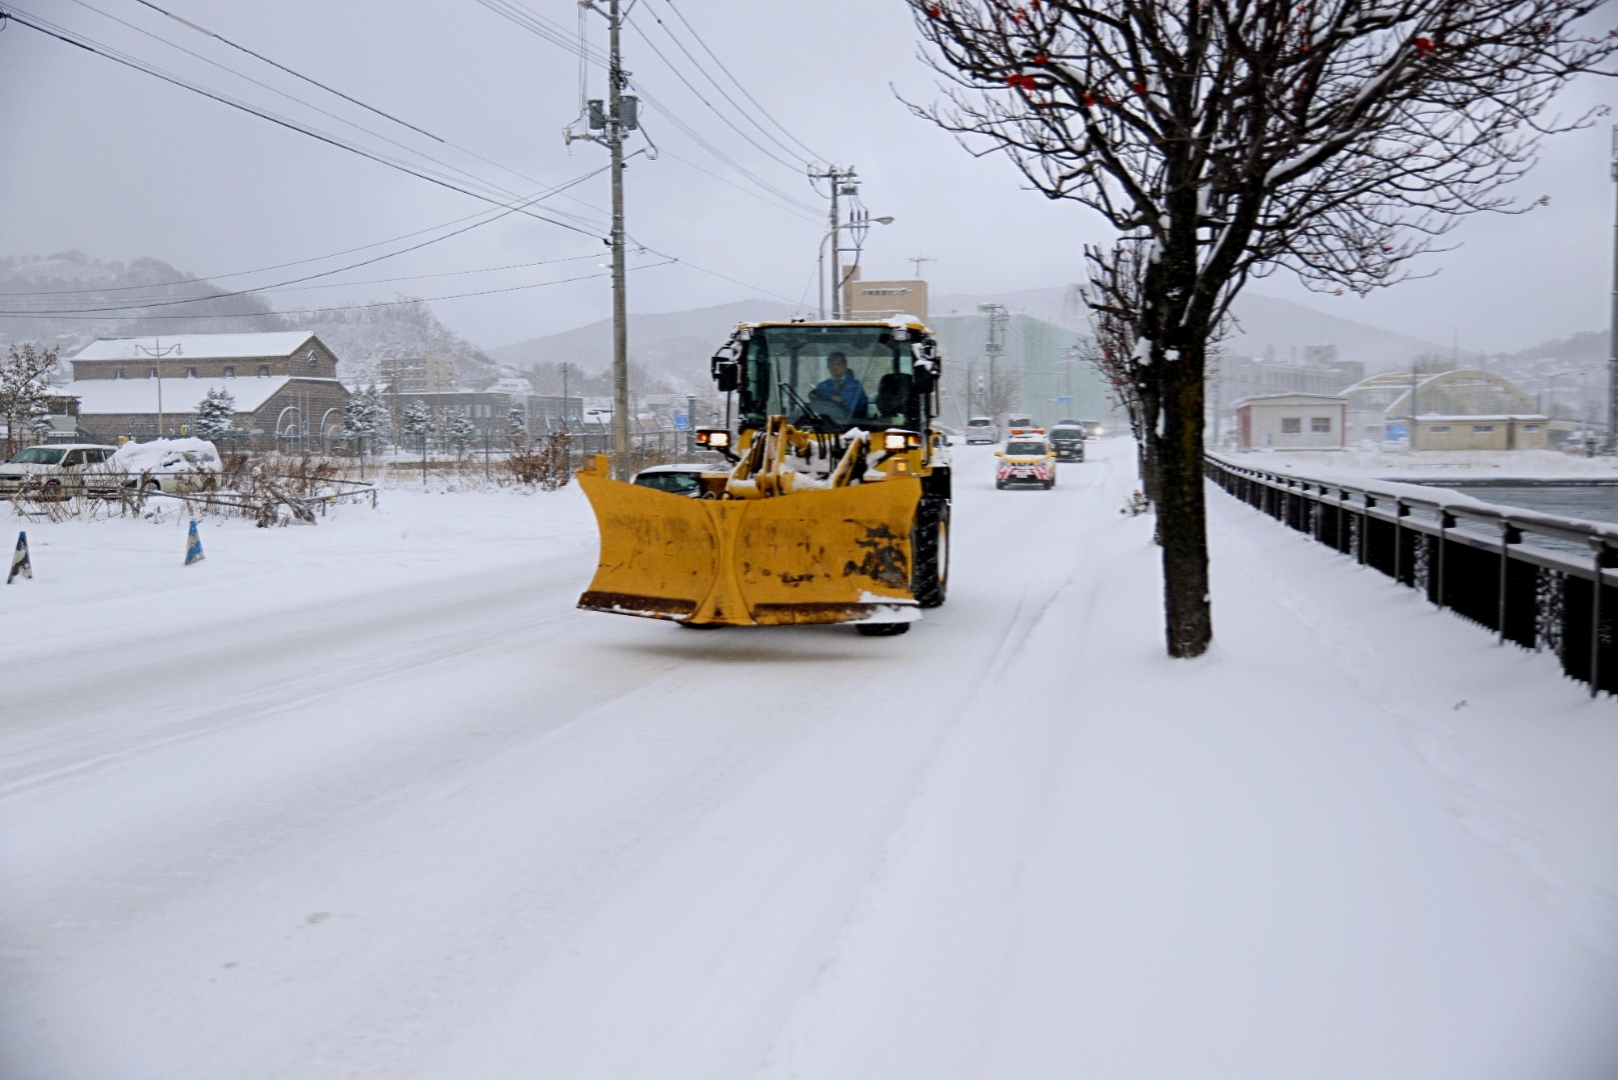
[179,395]
[1478,418]
[199,346]
[1292,399]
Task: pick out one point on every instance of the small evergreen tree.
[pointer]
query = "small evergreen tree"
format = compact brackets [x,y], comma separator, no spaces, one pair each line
[364,417]
[517,422]
[216,415]
[416,419]
[459,431]
[39,419]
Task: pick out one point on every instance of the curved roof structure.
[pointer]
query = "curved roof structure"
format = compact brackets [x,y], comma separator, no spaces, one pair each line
[1447,393]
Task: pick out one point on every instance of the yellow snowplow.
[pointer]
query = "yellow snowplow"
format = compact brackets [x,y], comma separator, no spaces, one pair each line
[832,504]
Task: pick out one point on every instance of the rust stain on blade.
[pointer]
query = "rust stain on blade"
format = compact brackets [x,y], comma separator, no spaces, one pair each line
[884,559]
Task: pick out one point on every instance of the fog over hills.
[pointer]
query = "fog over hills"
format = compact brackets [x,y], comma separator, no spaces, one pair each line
[1263,325]
[676,345]
[72,299]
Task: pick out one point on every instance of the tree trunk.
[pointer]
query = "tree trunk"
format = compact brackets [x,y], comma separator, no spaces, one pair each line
[1148,440]
[1181,512]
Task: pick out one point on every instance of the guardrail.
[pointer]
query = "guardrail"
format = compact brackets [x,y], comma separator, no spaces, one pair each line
[1472,557]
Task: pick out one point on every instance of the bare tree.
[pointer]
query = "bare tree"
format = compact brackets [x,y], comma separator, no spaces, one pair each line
[23,389]
[1232,138]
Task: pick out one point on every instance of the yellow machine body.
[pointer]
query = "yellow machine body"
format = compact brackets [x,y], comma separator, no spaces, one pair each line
[837,554]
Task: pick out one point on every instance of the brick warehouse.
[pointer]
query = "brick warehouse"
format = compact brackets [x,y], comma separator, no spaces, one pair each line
[284,384]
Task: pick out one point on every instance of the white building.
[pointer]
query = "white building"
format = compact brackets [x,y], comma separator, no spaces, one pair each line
[1292,422]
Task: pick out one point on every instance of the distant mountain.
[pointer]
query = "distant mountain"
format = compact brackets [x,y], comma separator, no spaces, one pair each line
[675,345]
[1263,324]
[76,299]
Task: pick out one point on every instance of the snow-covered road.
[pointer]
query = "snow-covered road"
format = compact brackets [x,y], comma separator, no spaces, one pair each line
[373,799]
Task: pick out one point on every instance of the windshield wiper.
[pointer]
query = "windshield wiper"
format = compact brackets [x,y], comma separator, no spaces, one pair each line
[803,408]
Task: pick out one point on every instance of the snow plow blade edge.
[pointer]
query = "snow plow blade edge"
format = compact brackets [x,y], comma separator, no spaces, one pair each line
[827,556]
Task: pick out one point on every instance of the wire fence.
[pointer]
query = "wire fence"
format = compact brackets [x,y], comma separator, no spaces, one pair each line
[1537,580]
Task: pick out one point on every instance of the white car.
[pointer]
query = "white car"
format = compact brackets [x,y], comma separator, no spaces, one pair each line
[982,429]
[677,479]
[168,465]
[60,469]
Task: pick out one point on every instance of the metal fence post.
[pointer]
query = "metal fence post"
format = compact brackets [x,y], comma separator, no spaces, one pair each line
[1509,535]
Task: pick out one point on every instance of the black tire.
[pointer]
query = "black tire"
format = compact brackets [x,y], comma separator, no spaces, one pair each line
[882,629]
[152,487]
[52,489]
[929,546]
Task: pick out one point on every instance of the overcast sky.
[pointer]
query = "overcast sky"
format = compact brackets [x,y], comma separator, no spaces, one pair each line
[113,162]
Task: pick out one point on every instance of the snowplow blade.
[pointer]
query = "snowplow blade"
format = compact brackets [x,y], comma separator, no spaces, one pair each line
[834,556]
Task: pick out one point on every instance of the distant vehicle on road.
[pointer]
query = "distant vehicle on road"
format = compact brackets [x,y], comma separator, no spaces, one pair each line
[1022,424]
[1027,461]
[683,479]
[58,470]
[982,429]
[1067,440]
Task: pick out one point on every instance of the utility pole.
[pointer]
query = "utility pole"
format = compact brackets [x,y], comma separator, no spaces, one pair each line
[157,352]
[620,116]
[994,347]
[1612,331]
[918,260]
[843,182]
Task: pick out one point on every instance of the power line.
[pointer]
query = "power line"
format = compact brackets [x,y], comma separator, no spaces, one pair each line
[563,39]
[281,266]
[476,180]
[739,86]
[348,307]
[295,281]
[727,121]
[89,45]
[289,71]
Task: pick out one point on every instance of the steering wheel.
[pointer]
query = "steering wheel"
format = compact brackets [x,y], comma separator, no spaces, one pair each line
[834,411]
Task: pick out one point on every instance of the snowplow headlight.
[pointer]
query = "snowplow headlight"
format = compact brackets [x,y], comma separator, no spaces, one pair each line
[894,440]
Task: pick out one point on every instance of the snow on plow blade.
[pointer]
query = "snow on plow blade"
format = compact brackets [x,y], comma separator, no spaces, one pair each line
[829,556]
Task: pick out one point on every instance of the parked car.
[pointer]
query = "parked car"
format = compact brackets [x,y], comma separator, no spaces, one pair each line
[1027,461]
[1067,441]
[675,479]
[175,466]
[61,469]
[982,429]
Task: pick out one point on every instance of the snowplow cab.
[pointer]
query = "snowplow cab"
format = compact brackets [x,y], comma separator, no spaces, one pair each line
[831,504]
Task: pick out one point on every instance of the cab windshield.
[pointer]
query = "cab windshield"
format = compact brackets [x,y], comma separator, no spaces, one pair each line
[1067,433]
[1025,449]
[680,483]
[38,455]
[829,376]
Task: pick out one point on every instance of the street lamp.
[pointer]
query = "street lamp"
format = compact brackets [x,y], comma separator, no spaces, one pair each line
[821,262]
[157,352]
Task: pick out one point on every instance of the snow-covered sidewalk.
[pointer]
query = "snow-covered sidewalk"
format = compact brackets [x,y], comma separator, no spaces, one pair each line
[371,799]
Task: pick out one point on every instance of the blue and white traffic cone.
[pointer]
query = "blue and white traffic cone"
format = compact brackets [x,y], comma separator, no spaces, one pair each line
[193,546]
[19,560]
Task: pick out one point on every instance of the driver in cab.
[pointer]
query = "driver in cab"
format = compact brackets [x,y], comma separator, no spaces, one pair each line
[842,388]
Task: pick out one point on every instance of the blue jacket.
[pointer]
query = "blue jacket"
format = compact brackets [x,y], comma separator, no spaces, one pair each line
[848,388]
